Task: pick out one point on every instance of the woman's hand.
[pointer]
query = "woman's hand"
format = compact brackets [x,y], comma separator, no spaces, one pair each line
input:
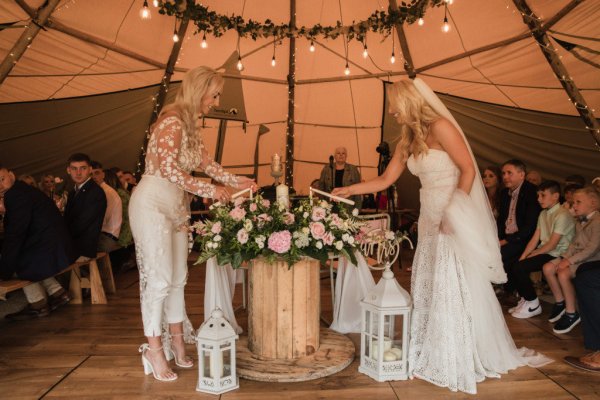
[345,191]
[221,194]
[245,183]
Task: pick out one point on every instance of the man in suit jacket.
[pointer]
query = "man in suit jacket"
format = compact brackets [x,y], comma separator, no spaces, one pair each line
[340,174]
[86,205]
[36,245]
[518,215]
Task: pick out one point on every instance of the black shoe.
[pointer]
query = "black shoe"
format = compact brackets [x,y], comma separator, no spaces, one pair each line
[557,311]
[28,313]
[56,302]
[567,322]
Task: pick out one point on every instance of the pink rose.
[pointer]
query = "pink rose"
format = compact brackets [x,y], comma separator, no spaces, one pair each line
[239,201]
[242,236]
[280,242]
[237,213]
[266,203]
[288,218]
[216,228]
[318,213]
[317,229]
[336,221]
[253,207]
[328,238]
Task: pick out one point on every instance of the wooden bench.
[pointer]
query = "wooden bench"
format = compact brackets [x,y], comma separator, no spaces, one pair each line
[100,277]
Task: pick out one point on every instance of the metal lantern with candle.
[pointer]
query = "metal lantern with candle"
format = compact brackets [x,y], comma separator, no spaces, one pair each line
[385,317]
[216,354]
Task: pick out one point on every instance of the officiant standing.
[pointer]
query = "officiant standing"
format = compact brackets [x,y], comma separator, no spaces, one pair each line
[159,214]
[339,173]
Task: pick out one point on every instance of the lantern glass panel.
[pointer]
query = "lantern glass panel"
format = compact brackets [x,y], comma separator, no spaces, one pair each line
[206,363]
[226,355]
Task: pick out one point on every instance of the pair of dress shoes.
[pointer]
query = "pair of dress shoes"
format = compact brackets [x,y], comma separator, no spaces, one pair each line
[30,312]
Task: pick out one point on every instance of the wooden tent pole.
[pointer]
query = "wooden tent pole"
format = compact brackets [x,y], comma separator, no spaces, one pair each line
[19,48]
[559,69]
[289,140]
[162,91]
[408,63]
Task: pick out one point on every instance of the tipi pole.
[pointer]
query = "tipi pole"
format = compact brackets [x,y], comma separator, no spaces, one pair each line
[289,140]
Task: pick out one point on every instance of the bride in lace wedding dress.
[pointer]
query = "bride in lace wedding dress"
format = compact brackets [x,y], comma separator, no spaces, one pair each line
[458,333]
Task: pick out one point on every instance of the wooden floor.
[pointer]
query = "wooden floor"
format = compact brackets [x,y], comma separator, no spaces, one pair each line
[85,352]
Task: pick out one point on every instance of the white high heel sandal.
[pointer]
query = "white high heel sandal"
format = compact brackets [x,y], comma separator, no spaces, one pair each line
[171,354]
[148,368]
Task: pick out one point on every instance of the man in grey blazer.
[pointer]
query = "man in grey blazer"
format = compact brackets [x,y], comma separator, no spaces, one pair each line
[339,174]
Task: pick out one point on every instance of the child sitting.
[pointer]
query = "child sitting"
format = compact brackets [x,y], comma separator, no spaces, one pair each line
[555,229]
[584,248]
[569,190]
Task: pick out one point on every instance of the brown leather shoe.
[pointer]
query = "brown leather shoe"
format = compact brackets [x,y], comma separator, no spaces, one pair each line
[577,363]
[29,313]
[56,302]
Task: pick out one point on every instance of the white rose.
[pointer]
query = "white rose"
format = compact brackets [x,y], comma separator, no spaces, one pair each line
[305,230]
[215,245]
[345,237]
[351,240]
[339,245]
[355,212]
[319,245]
[261,245]
[305,215]
[217,238]
[248,225]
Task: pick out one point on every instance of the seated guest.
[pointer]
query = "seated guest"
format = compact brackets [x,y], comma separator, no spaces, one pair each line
[493,186]
[587,285]
[340,174]
[584,248]
[517,217]
[534,178]
[554,232]
[85,207]
[113,217]
[129,178]
[569,191]
[28,180]
[111,179]
[36,246]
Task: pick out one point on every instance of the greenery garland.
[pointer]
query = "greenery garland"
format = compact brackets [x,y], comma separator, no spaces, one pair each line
[210,22]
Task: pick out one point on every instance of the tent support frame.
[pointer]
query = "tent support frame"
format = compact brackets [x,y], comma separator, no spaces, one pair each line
[562,74]
[408,62]
[289,140]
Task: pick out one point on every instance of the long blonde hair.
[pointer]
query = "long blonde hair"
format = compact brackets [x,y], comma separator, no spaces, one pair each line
[414,115]
[195,84]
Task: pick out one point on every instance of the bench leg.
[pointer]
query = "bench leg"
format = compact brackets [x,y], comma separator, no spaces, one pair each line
[107,275]
[98,295]
[75,286]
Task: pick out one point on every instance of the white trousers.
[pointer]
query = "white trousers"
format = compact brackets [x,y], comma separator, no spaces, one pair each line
[157,213]
[37,291]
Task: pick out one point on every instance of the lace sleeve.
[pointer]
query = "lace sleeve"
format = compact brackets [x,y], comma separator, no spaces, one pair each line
[216,171]
[168,144]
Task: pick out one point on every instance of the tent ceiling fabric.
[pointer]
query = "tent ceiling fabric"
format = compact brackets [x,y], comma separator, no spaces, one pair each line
[342,112]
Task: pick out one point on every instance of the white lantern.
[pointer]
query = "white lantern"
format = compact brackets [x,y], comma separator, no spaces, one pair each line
[385,317]
[216,355]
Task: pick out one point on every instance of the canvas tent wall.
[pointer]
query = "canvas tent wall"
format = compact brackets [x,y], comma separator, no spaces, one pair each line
[88,84]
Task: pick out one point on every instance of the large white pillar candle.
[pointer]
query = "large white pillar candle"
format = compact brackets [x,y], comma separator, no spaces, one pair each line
[282,195]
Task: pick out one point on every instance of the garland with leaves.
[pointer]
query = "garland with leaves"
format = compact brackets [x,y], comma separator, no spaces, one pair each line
[210,22]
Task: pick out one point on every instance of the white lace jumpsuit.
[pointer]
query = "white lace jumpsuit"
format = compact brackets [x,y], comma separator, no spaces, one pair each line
[159,214]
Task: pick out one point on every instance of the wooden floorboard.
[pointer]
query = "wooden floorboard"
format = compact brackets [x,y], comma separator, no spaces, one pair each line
[90,352]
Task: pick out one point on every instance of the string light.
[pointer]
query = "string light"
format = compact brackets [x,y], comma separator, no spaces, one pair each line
[204,44]
[239,65]
[393,58]
[155,3]
[175,35]
[347,69]
[312,46]
[365,52]
[446,26]
[449,2]
[273,62]
[145,12]
[421,21]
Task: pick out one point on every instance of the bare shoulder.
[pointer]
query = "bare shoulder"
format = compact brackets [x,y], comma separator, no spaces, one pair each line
[443,130]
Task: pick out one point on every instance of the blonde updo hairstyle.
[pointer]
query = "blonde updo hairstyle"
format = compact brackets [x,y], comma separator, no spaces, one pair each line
[194,86]
[415,116]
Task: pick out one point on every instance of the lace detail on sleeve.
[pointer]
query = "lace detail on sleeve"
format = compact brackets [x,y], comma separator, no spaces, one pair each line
[168,148]
[216,171]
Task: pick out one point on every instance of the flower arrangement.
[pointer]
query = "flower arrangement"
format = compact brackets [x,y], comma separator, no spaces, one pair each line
[251,228]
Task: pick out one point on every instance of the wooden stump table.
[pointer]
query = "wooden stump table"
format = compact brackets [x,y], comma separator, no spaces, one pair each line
[285,342]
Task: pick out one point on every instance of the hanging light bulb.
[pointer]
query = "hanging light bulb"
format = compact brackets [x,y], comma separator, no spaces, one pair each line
[449,2]
[347,69]
[365,52]
[175,37]
[145,12]
[312,46]
[204,44]
[155,3]
[421,21]
[393,58]
[239,65]
[273,62]
[446,26]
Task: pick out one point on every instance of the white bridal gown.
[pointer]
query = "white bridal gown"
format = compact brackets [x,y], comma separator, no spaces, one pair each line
[458,333]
